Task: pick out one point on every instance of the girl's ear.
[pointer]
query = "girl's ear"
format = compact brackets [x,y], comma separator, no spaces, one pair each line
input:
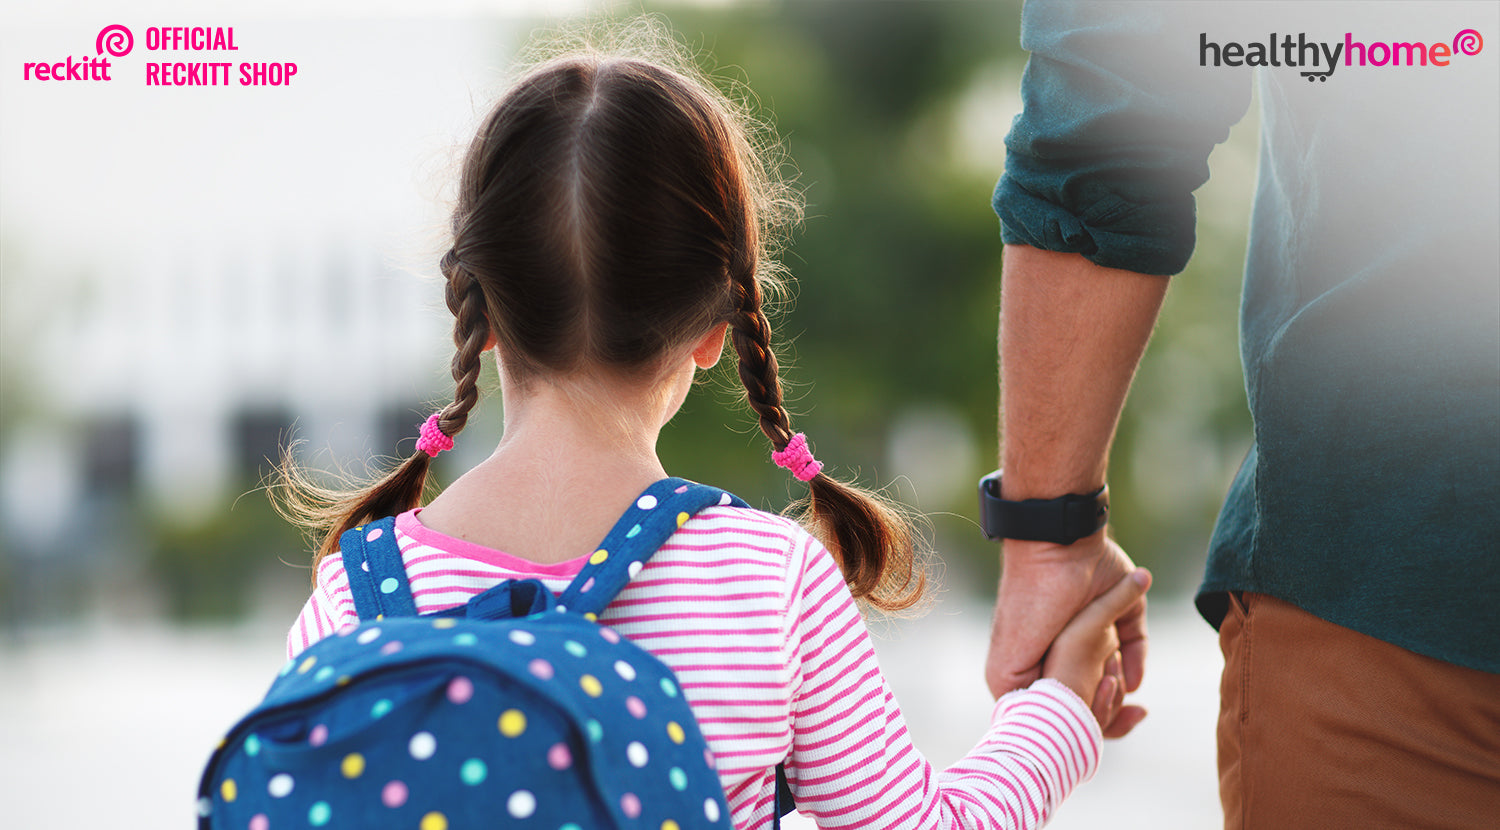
[491,341]
[706,353]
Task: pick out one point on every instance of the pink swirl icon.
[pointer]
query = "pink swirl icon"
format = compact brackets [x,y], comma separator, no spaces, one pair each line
[116,38]
[1469,42]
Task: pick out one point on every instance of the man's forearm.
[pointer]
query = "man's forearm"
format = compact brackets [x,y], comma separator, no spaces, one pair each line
[1071,336]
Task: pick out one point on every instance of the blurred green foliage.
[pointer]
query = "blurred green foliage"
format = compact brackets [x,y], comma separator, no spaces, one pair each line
[898,268]
[207,571]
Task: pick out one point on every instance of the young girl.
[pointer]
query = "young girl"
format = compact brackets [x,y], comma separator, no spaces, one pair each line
[610,232]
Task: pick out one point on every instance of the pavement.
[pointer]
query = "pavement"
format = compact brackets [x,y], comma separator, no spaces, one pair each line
[108,725]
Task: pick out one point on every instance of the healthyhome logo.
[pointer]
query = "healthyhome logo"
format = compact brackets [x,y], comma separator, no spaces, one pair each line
[1320,59]
[117,41]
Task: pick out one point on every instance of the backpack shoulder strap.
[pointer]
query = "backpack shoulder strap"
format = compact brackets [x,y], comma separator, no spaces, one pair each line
[377,576]
[649,522]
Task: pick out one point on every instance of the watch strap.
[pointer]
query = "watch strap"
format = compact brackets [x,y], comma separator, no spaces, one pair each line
[1063,520]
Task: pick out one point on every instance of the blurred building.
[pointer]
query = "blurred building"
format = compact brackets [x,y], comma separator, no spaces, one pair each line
[160,389]
[187,274]
[185,370]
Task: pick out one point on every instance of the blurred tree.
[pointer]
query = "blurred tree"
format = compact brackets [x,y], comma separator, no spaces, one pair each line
[896,266]
[208,571]
[897,273]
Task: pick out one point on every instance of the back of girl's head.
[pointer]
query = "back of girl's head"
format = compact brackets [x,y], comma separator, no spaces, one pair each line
[610,212]
[606,217]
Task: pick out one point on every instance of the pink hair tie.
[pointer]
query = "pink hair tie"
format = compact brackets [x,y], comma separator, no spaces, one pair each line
[798,458]
[432,440]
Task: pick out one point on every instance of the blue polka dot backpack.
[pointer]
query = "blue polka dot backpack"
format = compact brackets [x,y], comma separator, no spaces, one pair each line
[516,710]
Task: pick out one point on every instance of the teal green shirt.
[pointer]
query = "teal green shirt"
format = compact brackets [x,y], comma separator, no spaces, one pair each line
[1370,319]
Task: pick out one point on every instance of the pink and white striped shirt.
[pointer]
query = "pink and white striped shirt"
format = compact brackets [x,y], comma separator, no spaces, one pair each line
[753,615]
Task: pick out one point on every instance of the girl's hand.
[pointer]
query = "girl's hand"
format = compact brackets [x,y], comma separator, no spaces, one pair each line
[1086,655]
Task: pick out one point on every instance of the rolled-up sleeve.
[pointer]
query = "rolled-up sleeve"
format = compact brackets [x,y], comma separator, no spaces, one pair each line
[1114,137]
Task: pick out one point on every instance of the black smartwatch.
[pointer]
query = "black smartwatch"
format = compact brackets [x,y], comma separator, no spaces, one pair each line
[1062,520]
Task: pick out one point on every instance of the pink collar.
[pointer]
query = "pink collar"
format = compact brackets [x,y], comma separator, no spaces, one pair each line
[409,524]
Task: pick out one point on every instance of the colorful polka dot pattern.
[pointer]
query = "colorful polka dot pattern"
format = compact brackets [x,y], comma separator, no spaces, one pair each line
[626,708]
[449,722]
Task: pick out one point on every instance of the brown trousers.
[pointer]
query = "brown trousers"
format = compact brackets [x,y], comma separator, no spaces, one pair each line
[1322,727]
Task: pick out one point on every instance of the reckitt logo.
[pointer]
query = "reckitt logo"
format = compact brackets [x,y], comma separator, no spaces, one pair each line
[1318,60]
[117,41]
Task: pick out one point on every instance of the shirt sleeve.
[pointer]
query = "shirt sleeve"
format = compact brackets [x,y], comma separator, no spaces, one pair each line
[853,763]
[1117,124]
[330,608]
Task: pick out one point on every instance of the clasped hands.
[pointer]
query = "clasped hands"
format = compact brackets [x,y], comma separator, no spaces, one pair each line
[1075,613]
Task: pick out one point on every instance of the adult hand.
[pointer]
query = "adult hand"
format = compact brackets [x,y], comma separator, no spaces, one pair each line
[1042,587]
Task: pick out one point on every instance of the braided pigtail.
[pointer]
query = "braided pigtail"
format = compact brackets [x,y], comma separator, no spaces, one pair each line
[331,511]
[471,334]
[873,542]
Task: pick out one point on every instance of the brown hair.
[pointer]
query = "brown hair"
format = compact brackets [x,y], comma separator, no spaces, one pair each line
[611,211]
